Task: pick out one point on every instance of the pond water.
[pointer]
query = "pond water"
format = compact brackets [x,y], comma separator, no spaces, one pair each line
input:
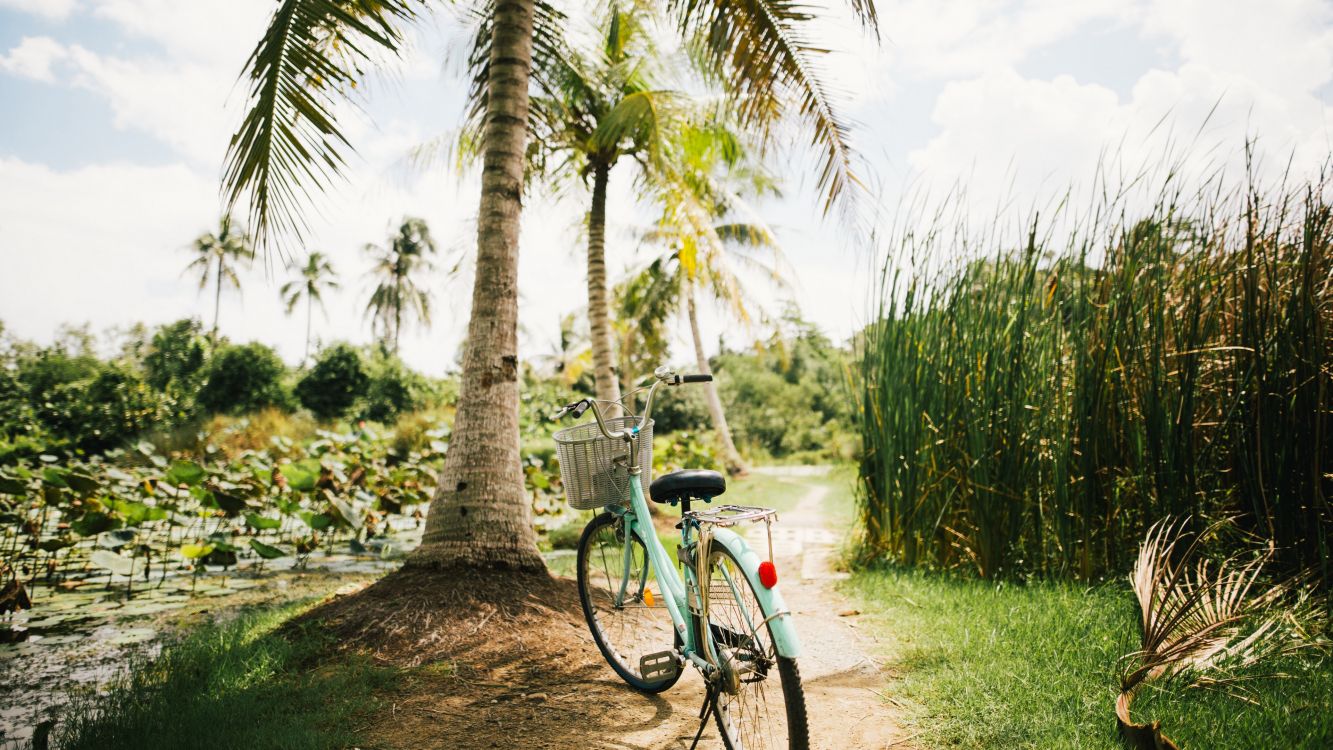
[83,630]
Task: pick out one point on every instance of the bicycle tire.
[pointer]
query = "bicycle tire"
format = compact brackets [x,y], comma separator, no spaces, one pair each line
[636,634]
[746,724]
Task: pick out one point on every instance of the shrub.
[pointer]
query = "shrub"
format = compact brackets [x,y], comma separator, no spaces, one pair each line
[243,379]
[176,358]
[393,389]
[334,384]
[103,411]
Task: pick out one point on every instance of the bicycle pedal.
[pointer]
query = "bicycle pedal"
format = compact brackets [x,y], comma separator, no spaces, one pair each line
[660,665]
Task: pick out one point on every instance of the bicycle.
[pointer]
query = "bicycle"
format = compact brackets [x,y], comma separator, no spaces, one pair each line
[721,612]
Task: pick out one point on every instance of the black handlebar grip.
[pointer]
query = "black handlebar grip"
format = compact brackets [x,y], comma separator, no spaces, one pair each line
[696,378]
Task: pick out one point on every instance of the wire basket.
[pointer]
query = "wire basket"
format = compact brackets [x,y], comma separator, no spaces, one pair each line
[595,469]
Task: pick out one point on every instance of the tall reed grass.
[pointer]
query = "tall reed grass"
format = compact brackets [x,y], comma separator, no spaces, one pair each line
[1031,405]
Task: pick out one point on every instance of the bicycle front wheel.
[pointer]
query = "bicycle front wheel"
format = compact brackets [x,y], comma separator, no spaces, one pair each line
[623,605]
[761,705]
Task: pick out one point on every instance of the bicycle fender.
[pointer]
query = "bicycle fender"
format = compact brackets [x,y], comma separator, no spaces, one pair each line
[780,624]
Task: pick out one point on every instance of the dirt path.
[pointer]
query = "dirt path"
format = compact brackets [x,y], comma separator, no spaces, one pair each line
[555,691]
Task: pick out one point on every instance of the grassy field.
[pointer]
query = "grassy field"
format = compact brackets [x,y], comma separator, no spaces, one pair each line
[237,685]
[980,665]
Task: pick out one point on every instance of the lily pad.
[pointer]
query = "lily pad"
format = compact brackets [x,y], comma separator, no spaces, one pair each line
[196,551]
[261,522]
[118,564]
[185,472]
[267,551]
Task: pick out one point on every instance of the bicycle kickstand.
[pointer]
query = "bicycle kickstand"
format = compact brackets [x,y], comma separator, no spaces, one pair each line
[710,700]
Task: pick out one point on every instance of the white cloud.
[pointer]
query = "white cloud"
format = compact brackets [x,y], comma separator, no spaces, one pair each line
[34,58]
[53,10]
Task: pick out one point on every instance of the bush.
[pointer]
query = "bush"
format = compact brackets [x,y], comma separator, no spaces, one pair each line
[103,411]
[334,384]
[176,358]
[243,379]
[392,390]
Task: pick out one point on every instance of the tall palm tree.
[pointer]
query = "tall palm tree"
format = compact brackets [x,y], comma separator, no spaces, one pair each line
[712,240]
[599,107]
[217,256]
[396,267]
[289,145]
[313,279]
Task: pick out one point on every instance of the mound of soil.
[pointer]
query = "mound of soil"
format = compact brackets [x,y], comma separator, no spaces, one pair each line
[493,659]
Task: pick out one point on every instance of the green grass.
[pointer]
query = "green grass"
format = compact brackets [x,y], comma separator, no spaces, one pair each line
[979,665]
[237,685]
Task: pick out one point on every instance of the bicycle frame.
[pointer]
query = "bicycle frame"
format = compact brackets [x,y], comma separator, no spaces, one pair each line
[675,589]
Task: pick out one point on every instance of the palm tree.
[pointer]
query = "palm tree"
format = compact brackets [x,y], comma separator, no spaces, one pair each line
[397,294]
[290,145]
[314,278]
[709,246]
[598,109]
[217,256]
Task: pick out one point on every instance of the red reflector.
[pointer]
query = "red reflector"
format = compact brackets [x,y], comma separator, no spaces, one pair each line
[768,575]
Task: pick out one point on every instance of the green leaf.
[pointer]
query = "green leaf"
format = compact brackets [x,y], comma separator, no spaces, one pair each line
[196,551]
[55,545]
[298,478]
[262,523]
[267,551]
[12,486]
[229,503]
[53,476]
[93,523]
[317,521]
[185,472]
[82,484]
[138,513]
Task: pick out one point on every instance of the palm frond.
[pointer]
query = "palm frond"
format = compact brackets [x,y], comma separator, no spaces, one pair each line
[289,144]
[768,61]
[1198,618]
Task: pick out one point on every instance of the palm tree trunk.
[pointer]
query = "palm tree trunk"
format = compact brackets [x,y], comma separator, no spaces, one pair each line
[309,312]
[217,301]
[481,516]
[731,457]
[599,309]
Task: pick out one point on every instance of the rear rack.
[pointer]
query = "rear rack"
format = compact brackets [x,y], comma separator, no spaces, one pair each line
[724,516]
[731,515]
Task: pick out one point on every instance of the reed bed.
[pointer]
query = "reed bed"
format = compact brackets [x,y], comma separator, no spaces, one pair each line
[1030,404]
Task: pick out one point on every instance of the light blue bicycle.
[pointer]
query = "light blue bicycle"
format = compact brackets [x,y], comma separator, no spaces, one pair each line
[715,605]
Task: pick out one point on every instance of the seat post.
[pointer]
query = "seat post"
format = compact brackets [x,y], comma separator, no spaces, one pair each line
[685,504]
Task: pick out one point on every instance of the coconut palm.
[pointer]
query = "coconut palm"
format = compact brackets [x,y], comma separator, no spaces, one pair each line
[396,268]
[290,145]
[313,279]
[712,238]
[218,255]
[600,107]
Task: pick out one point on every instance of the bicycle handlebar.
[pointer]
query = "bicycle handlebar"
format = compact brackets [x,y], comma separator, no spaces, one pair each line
[663,375]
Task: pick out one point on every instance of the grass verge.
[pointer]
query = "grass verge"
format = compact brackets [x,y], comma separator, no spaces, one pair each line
[234,685]
[980,665]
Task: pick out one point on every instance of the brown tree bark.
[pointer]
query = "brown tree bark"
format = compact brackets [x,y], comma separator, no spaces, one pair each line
[481,516]
[599,307]
[731,458]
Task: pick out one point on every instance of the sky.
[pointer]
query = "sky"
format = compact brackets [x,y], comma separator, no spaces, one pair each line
[115,116]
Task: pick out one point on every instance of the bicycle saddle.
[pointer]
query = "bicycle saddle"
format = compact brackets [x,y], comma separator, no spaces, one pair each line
[701,484]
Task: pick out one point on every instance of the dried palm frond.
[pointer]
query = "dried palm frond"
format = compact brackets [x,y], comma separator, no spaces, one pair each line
[1201,620]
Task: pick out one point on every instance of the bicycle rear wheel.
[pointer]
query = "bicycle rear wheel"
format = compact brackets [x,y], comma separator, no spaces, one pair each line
[762,704]
[629,627]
